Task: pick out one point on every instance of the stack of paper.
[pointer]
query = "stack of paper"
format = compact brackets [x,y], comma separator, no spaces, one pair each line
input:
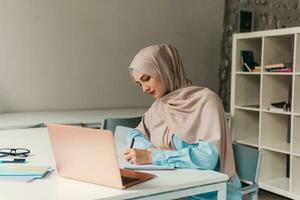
[145,167]
[22,173]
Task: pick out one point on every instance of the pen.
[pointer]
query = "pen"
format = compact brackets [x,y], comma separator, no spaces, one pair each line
[16,160]
[132,142]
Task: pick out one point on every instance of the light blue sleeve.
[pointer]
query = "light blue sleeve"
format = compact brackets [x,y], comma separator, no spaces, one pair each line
[203,155]
[140,141]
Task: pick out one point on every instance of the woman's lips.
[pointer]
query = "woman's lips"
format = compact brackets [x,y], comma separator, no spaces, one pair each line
[152,93]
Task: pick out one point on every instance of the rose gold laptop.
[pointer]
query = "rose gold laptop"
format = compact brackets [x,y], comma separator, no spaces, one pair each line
[89,155]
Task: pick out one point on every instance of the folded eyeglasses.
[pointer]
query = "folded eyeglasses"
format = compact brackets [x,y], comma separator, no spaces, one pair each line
[21,152]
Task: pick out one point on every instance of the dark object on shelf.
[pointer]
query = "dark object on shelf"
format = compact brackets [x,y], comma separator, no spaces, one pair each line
[247,61]
[245,19]
[282,105]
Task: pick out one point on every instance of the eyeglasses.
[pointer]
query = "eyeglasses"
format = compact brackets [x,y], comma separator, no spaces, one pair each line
[14,152]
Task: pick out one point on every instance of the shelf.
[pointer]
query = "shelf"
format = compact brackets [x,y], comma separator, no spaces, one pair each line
[296,154]
[275,185]
[278,49]
[296,135]
[251,44]
[275,131]
[276,89]
[248,91]
[246,126]
[278,73]
[297,94]
[248,73]
[246,108]
[297,55]
[281,183]
[276,112]
[274,170]
[279,147]
[250,141]
[296,174]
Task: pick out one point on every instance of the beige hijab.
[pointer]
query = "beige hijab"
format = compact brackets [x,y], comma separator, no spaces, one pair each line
[192,113]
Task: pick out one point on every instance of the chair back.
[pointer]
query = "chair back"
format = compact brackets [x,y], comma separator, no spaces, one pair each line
[120,136]
[228,120]
[112,123]
[247,162]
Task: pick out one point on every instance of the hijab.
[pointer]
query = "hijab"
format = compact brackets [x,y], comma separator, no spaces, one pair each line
[192,113]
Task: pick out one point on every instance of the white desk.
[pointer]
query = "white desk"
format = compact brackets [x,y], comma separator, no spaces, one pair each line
[37,119]
[167,185]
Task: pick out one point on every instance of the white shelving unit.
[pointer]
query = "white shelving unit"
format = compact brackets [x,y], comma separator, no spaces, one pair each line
[275,133]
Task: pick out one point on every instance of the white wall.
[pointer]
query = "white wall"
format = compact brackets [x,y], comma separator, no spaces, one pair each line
[74,54]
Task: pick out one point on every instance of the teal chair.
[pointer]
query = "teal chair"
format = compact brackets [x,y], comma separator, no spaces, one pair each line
[112,123]
[247,163]
[228,120]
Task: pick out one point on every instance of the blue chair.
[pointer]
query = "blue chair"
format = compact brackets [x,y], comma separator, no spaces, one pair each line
[112,123]
[247,162]
[228,120]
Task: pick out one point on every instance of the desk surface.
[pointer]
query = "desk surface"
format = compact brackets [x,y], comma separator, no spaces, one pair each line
[32,119]
[56,187]
[59,188]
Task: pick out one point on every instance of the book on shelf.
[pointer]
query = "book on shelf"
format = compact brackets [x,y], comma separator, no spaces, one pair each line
[275,65]
[287,69]
[252,69]
[256,69]
[279,67]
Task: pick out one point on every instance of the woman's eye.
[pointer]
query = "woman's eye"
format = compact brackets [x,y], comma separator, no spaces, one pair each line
[140,84]
[145,78]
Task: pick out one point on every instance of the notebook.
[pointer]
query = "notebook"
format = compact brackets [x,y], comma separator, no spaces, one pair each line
[120,136]
[24,170]
[90,155]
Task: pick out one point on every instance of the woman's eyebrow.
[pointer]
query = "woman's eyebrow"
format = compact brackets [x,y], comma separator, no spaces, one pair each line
[140,78]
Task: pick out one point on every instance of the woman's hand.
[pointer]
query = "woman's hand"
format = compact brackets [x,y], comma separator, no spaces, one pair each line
[138,156]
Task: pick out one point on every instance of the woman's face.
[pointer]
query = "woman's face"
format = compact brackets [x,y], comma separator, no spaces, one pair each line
[150,85]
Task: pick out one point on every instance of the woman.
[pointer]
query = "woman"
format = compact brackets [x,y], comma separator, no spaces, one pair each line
[185,126]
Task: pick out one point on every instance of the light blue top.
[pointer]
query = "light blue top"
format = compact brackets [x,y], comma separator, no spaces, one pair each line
[202,155]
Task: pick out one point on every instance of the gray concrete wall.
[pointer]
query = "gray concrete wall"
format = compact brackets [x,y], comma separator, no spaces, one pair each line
[74,54]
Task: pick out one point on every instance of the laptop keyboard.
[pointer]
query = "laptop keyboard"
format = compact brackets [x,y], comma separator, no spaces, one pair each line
[126,179]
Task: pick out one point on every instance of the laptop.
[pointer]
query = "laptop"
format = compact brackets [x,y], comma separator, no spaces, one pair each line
[90,155]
